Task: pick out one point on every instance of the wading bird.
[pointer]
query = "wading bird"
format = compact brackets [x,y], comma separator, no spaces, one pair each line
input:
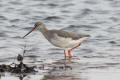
[60,38]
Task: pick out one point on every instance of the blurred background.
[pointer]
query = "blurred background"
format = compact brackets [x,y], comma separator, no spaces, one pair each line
[96,59]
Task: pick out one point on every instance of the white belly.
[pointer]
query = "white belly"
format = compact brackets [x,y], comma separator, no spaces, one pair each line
[66,42]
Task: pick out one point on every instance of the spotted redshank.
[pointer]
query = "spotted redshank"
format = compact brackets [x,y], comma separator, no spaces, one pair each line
[60,38]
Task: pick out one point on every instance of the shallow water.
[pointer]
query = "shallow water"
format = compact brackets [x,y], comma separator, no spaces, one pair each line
[97,58]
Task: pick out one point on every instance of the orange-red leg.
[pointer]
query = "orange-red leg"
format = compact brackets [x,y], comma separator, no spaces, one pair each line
[65,53]
[69,51]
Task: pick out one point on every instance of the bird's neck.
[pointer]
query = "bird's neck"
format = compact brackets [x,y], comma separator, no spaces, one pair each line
[43,30]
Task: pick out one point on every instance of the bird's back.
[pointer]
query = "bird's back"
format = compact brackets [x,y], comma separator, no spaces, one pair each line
[66,34]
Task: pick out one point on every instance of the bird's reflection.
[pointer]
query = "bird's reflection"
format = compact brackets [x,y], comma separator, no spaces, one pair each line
[62,70]
[62,65]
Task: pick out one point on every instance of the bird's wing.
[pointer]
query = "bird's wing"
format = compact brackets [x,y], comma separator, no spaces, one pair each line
[65,34]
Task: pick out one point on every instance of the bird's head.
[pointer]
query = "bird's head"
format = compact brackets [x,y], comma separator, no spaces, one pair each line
[38,25]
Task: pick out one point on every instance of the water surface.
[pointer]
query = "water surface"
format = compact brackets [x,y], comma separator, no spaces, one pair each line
[96,59]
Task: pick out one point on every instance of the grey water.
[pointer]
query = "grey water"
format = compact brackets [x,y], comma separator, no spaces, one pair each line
[98,58]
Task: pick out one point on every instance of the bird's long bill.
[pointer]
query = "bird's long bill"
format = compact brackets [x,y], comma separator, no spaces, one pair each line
[30,31]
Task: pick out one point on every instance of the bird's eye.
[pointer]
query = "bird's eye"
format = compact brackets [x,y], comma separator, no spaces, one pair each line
[36,24]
